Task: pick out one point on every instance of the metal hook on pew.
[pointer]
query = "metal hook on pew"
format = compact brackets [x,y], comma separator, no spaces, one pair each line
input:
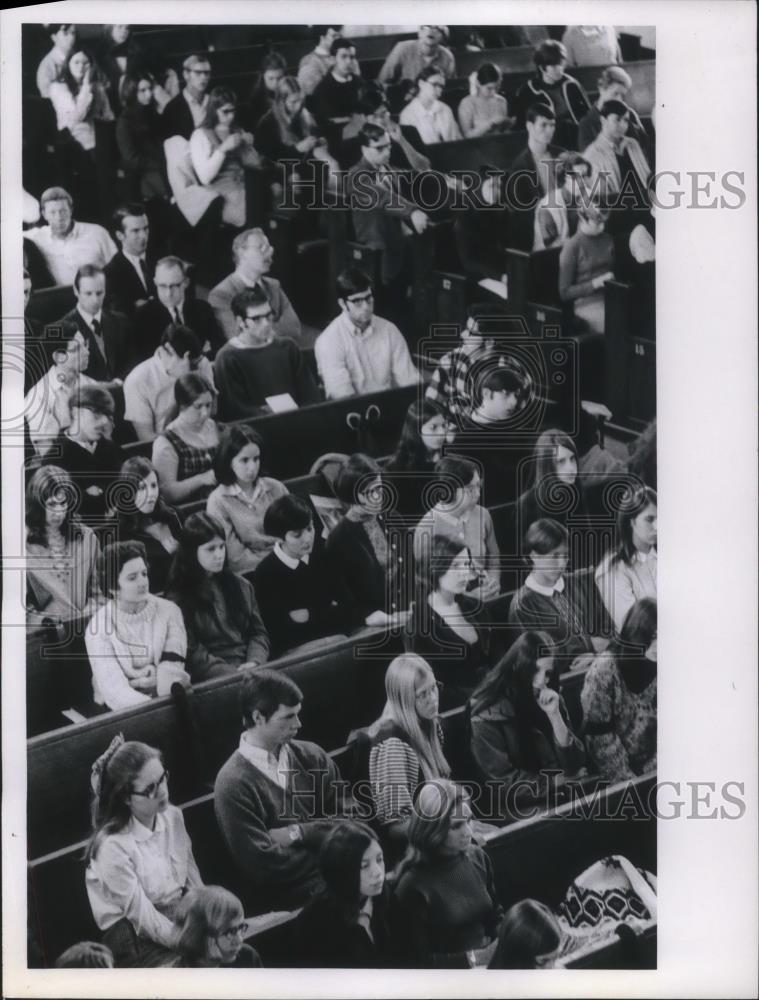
[353,420]
[373,413]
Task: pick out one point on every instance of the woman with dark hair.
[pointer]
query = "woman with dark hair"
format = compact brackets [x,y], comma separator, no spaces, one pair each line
[628,572]
[183,455]
[556,490]
[348,926]
[136,641]
[119,54]
[530,936]
[220,151]
[79,98]
[138,136]
[432,119]
[211,925]
[139,858]
[61,552]
[411,471]
[224,626]
[619,698]
[243,496]
[448,911]
[519,722]
[367,577]
[145,517]
[263,95]
[448,628]
[483,110]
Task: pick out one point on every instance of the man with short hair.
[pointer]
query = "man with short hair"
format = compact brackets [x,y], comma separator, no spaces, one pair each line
[108,334]
[65,244]
[187,111]
[46,404]
[615,157]
[359,352]
[253,255]
[149,388]
[533,173]
[335,100]
[128,274]
[173,305]
[407,59]
[276,798]
[315,65]
[256,365]
[63,37]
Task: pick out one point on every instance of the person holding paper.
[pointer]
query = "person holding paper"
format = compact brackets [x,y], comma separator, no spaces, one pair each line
[256,365]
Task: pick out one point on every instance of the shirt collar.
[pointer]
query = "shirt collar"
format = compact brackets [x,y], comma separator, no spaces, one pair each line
[454,519]
[89,320]
[558,588]
[139,831]
[235,490]
[354,330]
[191,100]
[74,231]
[134,261]
[291,563]
[643,557]
[261,758]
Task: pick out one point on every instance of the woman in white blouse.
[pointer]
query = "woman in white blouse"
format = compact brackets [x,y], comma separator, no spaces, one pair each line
[139,859]
[79,99]
[220,151]
[628,572]
[426,112]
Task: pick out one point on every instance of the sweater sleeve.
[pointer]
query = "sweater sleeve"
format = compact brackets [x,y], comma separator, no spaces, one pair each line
[332,367]
[238,549]
[393,773]
[257,636]
[604,745]
[176,635]
[495,748]
[403,368]
[108,677]
[415,933]
[569,287]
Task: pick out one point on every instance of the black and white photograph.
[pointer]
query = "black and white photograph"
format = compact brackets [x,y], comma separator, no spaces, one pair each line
[344,368]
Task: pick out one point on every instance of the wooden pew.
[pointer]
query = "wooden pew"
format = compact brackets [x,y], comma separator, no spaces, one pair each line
[49,304]
[470,154]
[630,332]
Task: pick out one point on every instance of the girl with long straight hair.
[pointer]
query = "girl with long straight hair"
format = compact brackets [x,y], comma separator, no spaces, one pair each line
[411,470]
[628,572]
[144,516]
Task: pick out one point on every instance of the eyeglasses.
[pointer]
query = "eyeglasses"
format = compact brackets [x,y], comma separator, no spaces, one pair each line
[200,72]
[232,932]
[151,790]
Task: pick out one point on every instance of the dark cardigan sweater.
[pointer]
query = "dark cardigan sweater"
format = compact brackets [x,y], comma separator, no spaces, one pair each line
[324,939]
[360,583]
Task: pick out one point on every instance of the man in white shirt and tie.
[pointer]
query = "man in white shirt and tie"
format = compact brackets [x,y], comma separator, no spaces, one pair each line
[129,280]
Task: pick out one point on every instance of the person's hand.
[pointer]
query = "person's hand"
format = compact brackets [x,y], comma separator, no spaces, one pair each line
[146,680]
[208,478]
[399,619]
[249,665]
[419,220]
[307,144]
[602,279]
[300,616]
[582,661]
[596,409]
[548,701]
[377,618]
[116,383]
[280,835]
[231,142]
[247,138]
[394,130]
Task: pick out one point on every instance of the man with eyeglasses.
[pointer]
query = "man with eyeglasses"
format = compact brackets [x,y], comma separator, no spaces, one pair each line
[187,111]
[255,365]
[360,352]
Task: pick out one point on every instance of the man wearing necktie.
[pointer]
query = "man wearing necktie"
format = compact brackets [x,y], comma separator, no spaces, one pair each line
[129,282]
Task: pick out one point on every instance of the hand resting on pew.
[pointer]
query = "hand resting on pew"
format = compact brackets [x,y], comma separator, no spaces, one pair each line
[601,280]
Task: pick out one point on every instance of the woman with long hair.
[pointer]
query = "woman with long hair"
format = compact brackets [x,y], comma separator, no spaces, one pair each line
[411,470]
[243,496]
[556,490]
[519,723]
[139,858]
[223,623]
[483,110]
[427,113]
[183,454]
[530,936]
[448,911]
[348,926]
[136,641]
[212,926]
[619,698]
[264,93]
[79,98]
[61,552]
[448,628]
[139,137]
[220,152]
[144,516]
[628,572]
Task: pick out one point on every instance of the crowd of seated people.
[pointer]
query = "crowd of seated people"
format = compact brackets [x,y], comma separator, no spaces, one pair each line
[152,392]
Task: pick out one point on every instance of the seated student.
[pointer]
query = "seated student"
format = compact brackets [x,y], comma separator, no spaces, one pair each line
[136,642]
[139,136]
[559,605]
[448,627]
[46,404]
[373,107]
[483,110]
[461,519]
[533,173]
[128,273]
[481,230]
[272,71]
[432,119]
[86,452]
[185,112]
[552,86]
[149,387]
[183,453]
[554,467]
[172,304]
[224,627]
[619,698]
[529,938]
[448,912]
[628,572]
[85,955]
[63,37]
[349,926]
[293,587]
[614,84]
[591,45]
[411,470]
[315,65]
[66,245]
[256,364]
[586,263]
[118,53]
[334,100]
[212,925]
[243,496]
[61,552]
[144,517]
[269,781]
[367,582]
[616,158]
[556,214]
[359,352]
[408,58]
[139,858]
[253,255]
[519,723]
[80,99]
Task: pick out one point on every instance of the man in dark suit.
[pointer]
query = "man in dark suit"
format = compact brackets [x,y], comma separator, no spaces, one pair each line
[185,112]
[128,275]
[533,174]
[172,305]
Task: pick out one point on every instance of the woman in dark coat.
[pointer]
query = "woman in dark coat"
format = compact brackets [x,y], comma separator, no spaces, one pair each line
[138,136]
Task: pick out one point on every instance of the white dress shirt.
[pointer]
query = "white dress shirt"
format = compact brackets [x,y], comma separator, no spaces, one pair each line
[86,243]
[275,768]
